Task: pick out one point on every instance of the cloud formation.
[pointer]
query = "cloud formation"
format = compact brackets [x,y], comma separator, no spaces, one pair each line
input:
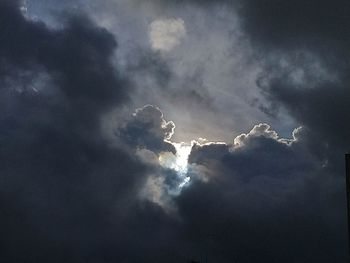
[148,129]
[61,184]
[267,198]
[69,193]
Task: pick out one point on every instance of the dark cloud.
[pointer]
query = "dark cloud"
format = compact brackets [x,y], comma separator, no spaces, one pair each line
[265,199]
[147,129]
[77,57]
[297,24]
[68,195]
[302,46]
[322,106]
[280,200]
[65,194]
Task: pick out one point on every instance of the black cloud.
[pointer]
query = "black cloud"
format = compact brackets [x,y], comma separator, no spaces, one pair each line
[302,46]
[294,31]
[147,129]
[67,195]
[270,200]
[297,24]
[77,57]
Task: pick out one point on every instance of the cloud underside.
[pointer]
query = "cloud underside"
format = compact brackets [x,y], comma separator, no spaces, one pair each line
[71,193]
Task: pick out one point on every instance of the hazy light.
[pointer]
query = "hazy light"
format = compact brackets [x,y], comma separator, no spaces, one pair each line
[178,162]
[165,34]
[184,182]
[182,153]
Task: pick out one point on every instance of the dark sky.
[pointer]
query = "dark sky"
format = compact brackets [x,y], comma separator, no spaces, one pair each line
[168,131]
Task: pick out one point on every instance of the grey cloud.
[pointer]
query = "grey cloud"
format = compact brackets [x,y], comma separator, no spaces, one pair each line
[65,194]
[304,70]
[298,24]
[265,200]
[208,74]
[319,105]
[68,195]
[275,188]
[147,129]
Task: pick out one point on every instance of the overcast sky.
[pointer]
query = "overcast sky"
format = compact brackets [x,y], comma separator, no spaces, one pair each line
[152,131]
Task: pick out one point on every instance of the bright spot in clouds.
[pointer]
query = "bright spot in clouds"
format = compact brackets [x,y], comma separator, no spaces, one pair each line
[178,162]
[165,34]
[182,153]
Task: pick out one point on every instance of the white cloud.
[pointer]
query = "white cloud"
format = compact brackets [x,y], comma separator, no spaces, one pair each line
[165,34]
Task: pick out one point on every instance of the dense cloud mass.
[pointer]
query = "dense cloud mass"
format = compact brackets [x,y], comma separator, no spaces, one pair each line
[278,209]
[147,129]
[84,177]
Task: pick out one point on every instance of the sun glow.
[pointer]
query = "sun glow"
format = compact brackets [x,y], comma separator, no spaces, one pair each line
[178,162]
[182,153]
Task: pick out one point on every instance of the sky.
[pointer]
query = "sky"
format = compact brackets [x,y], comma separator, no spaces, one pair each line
[170,131]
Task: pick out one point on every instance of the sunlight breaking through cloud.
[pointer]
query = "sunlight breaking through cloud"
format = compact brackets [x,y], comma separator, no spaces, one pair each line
[178,162]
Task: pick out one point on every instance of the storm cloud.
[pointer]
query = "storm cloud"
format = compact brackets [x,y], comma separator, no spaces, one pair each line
[267,198]
[93,169]
[57,172]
